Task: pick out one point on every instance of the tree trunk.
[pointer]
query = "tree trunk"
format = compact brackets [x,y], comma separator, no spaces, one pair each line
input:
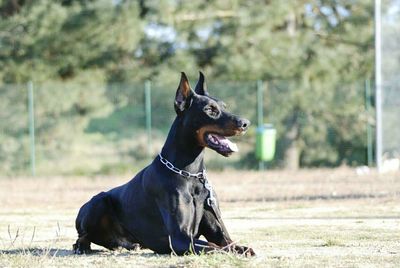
[292,157]
[291,150]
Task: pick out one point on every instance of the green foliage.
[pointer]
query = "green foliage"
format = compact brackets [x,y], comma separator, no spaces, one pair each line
[94,55]
[50,40]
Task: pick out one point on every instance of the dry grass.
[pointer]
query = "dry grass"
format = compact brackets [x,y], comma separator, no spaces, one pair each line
[308,218]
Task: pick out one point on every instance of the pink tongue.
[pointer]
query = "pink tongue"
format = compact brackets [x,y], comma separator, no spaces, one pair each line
[232,146]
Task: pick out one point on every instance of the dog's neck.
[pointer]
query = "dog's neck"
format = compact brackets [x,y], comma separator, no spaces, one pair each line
[182,151]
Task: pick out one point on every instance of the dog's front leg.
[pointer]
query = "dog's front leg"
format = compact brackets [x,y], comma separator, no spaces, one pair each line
[213,229]
[179,222]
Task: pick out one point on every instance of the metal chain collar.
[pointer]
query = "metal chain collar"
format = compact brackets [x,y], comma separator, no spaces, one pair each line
[201,176]
[184,173]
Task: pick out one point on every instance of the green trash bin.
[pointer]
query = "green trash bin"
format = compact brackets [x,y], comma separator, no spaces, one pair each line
[265,142]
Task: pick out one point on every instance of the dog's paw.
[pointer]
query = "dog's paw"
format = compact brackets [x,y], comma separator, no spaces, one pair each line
[131,246]
[79,249]
[245,251]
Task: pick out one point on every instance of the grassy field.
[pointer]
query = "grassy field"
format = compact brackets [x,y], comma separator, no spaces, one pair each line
[313,218]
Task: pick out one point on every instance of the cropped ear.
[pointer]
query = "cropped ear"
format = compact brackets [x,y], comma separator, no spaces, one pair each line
[183,97]
[201,87]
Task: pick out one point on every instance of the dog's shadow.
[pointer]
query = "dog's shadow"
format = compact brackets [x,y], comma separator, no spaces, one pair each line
[59,252]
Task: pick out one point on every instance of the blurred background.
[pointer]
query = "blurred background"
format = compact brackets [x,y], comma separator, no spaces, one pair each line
[87,86]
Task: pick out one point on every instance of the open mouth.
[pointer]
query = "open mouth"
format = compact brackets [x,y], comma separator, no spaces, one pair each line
[220,144]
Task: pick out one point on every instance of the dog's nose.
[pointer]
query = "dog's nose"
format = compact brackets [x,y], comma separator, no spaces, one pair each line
[243,124]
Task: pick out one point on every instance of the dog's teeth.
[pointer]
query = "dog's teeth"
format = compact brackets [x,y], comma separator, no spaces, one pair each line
[214,139]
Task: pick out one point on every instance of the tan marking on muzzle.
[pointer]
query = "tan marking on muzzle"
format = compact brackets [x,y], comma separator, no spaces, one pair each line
[203,130]
[229,130]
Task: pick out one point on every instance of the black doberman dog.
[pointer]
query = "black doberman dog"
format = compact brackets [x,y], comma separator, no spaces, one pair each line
[168,205]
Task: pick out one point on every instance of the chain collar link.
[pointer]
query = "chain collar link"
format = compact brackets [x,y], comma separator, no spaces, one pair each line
[211,200]
[184,173]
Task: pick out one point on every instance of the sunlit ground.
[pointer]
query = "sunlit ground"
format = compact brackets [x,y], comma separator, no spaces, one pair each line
[312,218]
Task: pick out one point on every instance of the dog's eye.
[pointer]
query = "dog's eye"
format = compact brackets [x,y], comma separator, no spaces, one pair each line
[212,111]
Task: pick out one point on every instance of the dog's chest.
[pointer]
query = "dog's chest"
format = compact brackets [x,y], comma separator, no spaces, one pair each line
[198,192]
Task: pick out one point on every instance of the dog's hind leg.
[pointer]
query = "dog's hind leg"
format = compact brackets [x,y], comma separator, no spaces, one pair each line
[82,245]
[96,223]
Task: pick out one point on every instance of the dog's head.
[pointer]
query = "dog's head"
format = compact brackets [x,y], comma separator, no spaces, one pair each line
[206,118]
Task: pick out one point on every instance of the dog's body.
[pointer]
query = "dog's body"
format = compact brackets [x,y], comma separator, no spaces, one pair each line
[169,204]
